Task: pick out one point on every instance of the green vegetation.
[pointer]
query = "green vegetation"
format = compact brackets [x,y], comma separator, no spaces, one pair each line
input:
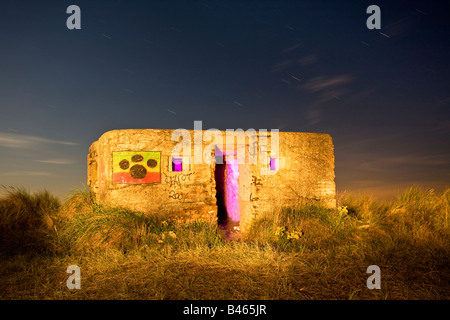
[308,252]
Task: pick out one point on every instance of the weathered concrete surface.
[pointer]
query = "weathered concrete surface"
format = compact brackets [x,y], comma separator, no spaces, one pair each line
[306,172]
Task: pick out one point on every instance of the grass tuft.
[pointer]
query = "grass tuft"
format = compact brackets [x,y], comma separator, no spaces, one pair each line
[28,222]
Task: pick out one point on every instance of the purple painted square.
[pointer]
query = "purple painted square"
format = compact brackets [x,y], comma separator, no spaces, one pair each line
[177,164]
[274,164]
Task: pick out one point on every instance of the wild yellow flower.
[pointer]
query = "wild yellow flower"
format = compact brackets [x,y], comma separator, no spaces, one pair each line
[342,210]
[280,231]
[167,235]
[294,235]
[172,234]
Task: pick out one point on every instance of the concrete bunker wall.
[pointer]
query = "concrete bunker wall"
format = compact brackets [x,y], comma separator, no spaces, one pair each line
[305,171]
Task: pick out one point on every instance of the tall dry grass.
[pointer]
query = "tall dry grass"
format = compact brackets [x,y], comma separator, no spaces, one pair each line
[93,227]
[306,252]
[28,222]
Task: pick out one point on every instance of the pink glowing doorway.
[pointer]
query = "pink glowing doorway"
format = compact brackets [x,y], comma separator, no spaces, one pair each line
[227,190]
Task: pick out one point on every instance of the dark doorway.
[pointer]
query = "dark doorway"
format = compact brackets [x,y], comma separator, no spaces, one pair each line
[219,175]
[227,194]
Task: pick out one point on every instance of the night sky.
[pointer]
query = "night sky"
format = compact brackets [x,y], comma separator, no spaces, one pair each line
[306,66]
